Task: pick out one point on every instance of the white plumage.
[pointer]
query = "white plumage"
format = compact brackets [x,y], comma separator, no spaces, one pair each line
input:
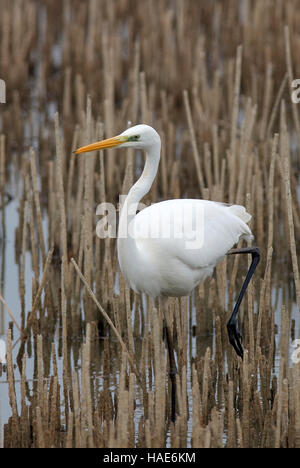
[170,247]
[157,248]
[171,266]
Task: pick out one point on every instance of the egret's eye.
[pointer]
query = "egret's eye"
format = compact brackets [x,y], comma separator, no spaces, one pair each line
[134,138]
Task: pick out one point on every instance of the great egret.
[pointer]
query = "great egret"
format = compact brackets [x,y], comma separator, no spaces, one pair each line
[170,247]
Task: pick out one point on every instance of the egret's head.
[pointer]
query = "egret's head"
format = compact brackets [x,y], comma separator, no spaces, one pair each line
[139,137]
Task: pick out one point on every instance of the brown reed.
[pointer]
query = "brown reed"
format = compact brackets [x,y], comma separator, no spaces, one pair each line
[203,74]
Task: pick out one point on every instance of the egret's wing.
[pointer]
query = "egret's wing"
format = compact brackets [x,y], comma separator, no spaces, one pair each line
[196,232]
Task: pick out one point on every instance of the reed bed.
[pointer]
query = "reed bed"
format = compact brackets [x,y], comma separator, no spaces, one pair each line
[214,78]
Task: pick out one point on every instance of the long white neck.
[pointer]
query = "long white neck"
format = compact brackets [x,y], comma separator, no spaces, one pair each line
[126,240]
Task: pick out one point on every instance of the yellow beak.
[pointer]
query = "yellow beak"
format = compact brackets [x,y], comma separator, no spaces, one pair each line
[104,144]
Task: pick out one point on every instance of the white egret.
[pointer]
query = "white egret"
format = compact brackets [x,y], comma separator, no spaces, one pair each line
[170,247]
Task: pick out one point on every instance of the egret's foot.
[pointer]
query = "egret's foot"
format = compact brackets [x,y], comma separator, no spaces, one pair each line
[235,338]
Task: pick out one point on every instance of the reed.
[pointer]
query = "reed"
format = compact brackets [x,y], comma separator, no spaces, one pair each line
[91,354]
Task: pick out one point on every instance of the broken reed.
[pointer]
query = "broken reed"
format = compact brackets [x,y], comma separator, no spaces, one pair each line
[217,130]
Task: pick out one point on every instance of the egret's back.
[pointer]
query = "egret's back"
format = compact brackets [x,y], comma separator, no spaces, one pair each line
[180,242]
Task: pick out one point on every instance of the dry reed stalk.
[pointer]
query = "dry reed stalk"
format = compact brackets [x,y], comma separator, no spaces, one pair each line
[276,105]
[25,426]
[22,270]
[221,282]
[291,78]
[184,329]
[66,370]
[88,203]
[196,408]
[35,304]
[291,409]
[216,429]
[77,410]
[53,414]
[205,388]
[129,321]
[9,313]
[271,191]
[216,156]
[122,420]
[250,294]
[39,429]
[46,410]
[41,286]
[219,359]
[257,187]
[69,438]
[86,386]
[180,334]
[109,72]
[207,438]
[279,405]
[124,348]
[2,166]
[297,404]
[32,230]
[160,379]
[246,401]
[11,386]
[239,434]
[145,100]
[78,224]
[37,203]
[80,262]
[234,122]
[266,100]
[262,300]
[51,202]
[102,199]
[61,196]
[71,171]
[194,142]
[151,416]
[185,412]
[208,167]
[40,374]
[286,165]
[131,412]
[247,129]
[54,360]
[231,438]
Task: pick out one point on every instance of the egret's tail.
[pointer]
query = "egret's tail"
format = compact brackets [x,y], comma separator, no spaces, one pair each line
[240,212]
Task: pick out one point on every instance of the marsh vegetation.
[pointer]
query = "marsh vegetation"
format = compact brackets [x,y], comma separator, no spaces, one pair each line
[214,78]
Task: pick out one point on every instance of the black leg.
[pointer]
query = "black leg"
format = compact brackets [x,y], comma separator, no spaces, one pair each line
[234,334]
[173,370]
